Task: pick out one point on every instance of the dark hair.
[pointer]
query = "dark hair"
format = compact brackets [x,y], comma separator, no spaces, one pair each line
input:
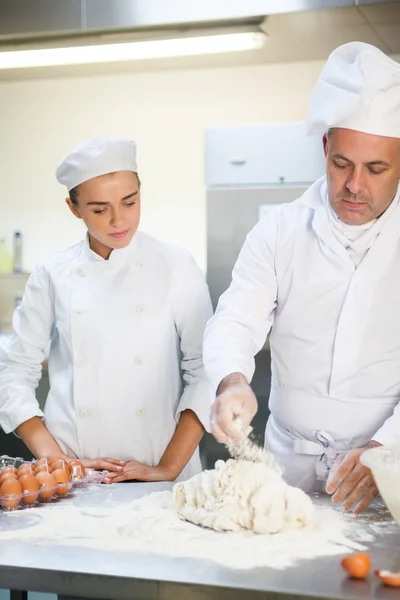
[73,194]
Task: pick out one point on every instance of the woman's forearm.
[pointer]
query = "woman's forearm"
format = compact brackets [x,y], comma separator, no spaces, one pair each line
[37,438]
[183,444]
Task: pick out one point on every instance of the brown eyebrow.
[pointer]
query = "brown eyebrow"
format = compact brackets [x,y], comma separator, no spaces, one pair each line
[105,203]
[378,163]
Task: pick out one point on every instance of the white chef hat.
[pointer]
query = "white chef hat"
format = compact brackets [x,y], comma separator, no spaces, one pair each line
[358,88]
[95,157]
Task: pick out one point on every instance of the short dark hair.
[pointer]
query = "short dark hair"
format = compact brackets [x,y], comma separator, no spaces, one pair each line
[74,193]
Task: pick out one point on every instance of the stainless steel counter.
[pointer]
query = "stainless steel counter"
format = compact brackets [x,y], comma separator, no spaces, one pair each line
[41,566]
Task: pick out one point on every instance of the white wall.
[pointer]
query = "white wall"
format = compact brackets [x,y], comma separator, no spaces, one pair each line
[166,112]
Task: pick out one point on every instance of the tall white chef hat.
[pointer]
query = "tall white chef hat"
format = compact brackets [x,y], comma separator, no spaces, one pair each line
[95,157]
[358,88]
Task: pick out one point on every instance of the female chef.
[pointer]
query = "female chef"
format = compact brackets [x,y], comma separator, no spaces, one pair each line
[124,315]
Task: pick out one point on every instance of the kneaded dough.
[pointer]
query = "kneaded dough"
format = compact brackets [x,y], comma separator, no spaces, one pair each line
[240,495]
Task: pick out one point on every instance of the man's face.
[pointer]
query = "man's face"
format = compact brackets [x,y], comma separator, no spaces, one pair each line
[363,173]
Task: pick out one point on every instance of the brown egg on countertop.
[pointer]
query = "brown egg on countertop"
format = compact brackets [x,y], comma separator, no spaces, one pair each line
[10,493]
[30,488]
[61,477]
[47,485]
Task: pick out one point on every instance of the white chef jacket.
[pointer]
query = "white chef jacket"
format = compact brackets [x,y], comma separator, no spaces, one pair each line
[335,335]
[125,353]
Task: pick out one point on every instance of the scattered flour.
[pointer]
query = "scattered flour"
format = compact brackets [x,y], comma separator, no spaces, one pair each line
[150,525]
[249,450]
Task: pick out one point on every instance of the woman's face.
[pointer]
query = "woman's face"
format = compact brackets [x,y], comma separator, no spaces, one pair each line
[109,205]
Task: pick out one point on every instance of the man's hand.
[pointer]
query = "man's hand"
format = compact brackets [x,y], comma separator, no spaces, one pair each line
[233,410]
[137,471]
[352,483]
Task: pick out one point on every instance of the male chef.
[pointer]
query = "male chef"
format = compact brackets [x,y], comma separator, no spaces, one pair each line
[322,276]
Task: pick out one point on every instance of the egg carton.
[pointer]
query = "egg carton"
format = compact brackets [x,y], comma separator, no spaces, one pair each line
[77,479]
[28,499]
[92,477]
[14,461]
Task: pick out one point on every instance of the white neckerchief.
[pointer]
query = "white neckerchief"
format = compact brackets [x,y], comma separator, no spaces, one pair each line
[357,239]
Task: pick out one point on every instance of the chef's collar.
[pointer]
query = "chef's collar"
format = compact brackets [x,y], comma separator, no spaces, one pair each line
[117,256]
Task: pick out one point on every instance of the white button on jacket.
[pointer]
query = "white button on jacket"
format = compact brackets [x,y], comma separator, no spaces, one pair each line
[335,334]
[113,362]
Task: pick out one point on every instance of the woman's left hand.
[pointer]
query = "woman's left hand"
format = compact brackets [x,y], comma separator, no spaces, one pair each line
[137,471]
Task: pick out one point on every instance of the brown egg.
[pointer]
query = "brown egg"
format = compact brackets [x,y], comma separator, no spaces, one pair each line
[61,477]
[25,468]
[42,467]
[60,464]
[8,469]
[54,459]
[30,488]
[47,485]
[77,469]
[41,461]
[7,475]
[357,565]
[10,494]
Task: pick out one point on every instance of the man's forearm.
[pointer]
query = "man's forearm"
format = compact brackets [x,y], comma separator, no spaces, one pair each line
[37,438]
[183,444]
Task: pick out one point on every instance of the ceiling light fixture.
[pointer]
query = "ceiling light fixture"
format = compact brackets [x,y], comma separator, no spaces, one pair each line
[166,48]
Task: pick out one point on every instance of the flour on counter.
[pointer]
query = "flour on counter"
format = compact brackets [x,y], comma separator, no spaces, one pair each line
[150,525]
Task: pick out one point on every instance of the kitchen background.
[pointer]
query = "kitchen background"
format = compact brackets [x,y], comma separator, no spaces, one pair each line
[203,182]
[200,124]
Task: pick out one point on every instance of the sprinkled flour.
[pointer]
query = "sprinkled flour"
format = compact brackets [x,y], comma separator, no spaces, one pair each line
[150,525]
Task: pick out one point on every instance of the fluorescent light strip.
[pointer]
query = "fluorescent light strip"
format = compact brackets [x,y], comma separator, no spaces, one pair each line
[212,44]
